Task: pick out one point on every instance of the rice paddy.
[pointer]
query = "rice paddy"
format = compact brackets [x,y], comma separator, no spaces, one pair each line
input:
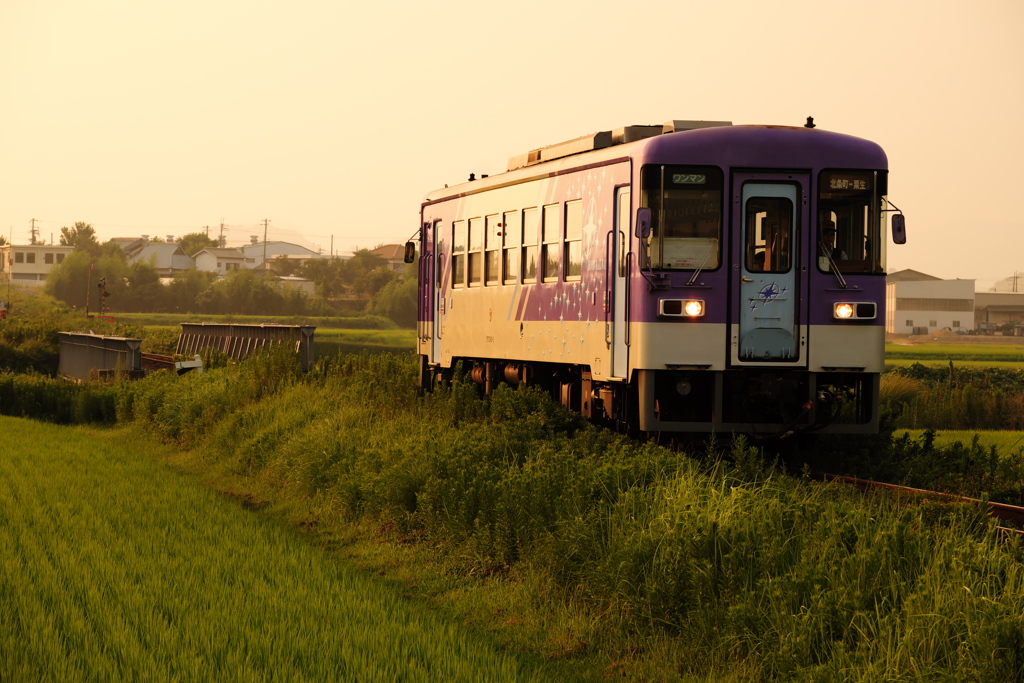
[962,354]
[114,567]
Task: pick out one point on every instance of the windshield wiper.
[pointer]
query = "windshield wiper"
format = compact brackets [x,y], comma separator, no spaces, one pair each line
[712,249]
[832,263]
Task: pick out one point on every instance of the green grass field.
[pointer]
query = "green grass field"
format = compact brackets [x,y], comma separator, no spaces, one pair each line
[114,567]
[1008,442]
[935,354]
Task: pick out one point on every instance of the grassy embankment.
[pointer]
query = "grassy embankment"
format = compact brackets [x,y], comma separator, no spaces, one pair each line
[116,568]
[616,558]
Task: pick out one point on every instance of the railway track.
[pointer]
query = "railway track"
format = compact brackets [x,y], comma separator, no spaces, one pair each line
[1010,514]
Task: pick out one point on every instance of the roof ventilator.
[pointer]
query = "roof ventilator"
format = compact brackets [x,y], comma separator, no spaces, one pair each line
[603,139]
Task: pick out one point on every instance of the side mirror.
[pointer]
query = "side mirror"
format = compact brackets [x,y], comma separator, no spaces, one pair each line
[643,223]
[899,229]
[410,252]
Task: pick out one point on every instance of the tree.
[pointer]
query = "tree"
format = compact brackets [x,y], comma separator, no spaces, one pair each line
[75,280]
[82,237]
[397,299]
[187,292]
[327,276]
[282,265]
[366,273]
[195,242]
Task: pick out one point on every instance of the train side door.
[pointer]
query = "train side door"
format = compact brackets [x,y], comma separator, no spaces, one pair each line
[615,335]
[437,290]
[770,212]
[425,313]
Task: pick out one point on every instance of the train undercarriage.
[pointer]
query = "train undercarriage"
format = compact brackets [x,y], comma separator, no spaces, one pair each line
[765,403]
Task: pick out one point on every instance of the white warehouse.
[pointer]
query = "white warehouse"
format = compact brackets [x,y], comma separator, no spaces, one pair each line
[917,303]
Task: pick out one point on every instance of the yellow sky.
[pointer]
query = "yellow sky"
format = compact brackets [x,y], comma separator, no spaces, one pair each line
[336,118]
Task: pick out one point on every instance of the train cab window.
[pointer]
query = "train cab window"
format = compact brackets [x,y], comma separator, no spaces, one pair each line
[573,239]
[459,254]
[511,236]
[549,248]
[849,235]
[769,235]
[531,229]
[686,216]
[475,248]
[492,249]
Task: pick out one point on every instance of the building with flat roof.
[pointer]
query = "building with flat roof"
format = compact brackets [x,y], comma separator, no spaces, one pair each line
[29,264]
[997,309]
[918,303]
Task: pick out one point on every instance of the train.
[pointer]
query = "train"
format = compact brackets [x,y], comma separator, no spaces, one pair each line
[686,278]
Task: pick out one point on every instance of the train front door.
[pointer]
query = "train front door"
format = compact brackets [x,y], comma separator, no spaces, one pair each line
[617,263]
[770,214]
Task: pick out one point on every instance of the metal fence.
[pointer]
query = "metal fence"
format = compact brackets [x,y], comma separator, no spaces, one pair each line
[88,356]
[238,341]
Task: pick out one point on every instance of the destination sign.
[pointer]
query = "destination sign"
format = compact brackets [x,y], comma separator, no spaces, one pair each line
[689,178]
[849,182]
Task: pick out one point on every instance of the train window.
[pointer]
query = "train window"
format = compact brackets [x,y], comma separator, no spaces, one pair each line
[531,228]
[476,243]
[459,253]
[549,248]
[849,233]
[686,216]
[769,234]
[574,239]
[492,249]
[511,235]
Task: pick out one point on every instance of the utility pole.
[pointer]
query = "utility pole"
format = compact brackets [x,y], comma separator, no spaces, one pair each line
[33,231]
[266,221]
[9,266]
[88,291]
[220,240]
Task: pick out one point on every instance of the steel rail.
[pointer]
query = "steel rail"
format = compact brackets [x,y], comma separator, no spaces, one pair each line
[1000,511]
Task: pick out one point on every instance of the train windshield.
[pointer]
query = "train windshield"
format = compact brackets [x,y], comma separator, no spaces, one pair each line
[849,236]
[686,216]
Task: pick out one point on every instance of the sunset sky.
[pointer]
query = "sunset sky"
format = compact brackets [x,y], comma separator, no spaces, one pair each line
[334,119]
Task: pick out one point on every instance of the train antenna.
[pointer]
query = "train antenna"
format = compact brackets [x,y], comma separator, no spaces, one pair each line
[810,122]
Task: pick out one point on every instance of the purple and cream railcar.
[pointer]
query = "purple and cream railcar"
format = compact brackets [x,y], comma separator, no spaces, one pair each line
[691,277]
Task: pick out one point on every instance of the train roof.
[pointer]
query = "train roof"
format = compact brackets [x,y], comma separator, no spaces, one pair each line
[718,143]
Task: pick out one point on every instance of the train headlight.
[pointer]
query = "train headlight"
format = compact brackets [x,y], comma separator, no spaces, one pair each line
[694,308]
[679,308]
[843,311]
[854,310]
